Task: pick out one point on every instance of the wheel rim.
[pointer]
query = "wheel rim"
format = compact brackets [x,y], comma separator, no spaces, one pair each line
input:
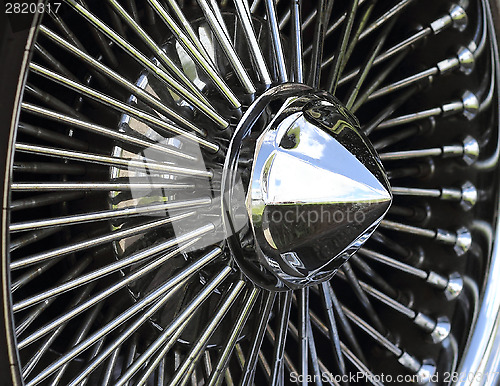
[124,273]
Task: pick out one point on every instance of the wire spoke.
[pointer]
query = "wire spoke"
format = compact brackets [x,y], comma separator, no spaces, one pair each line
[174,327]
[84,186]
[123,107]
[122,81]
[260,330]
[338,60]
[277,376]
[323,15]
[332,327]
[120,162]
[253,44]
[186,367]
[159,295]
[239,323]
[278,53]
[217,26]
[107,215]
[95,241]
[155,70]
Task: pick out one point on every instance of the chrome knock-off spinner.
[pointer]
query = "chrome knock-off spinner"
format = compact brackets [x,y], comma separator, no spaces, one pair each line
[314,188]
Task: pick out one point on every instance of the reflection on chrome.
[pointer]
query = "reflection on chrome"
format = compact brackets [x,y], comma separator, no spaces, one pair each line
[316,191]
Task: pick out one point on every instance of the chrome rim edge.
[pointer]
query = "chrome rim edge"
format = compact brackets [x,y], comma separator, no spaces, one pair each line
[12,367]
[481,360]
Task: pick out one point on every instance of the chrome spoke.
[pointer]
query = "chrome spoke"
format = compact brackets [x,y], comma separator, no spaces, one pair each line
[30,238]
[79,336]
[278,53]
[92,242]
[51,136]
[323,15]
[95,337]
[194,354]
[297,54]
[122,81]
[304,323]
[362,298]
[455,18]
[122,107]
[436,328]
[389,15]
[286,360]
[35,313]
[54,63]
[43,199]
[52,101]
[107,292]
[353,93]
[176,9]
[136,55]
[196,54]
[125,163]
[332,327]
[277,376]
[353,41]
[241,319]
[258,57]
[161,55]
[47,168]
[107,215]
[160,295]
[89,186]
[468,150]
[336,71]
[379,79]
[460,239]
[184,317]
[451,286]
[108,269]
[260,330]
[34,360]
[317,366]
[229,51]
[468,106]
[160,357]
[466,195]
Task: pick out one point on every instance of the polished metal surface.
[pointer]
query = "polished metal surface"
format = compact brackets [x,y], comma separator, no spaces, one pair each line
[315,180]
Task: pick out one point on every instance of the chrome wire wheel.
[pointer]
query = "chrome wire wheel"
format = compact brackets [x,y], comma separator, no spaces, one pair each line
[266,192]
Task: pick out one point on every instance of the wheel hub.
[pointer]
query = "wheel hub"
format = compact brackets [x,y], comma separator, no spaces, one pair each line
[314,188]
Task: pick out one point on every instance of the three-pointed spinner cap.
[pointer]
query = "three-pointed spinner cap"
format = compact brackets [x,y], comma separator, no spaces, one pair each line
[317,190]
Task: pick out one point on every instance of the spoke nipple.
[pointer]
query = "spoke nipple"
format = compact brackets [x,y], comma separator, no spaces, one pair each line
[454,286]
[426,372]
[463,241]
[466,60]
[459,17]
[470,105]
[441,330]
[471,150]
[469,196]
